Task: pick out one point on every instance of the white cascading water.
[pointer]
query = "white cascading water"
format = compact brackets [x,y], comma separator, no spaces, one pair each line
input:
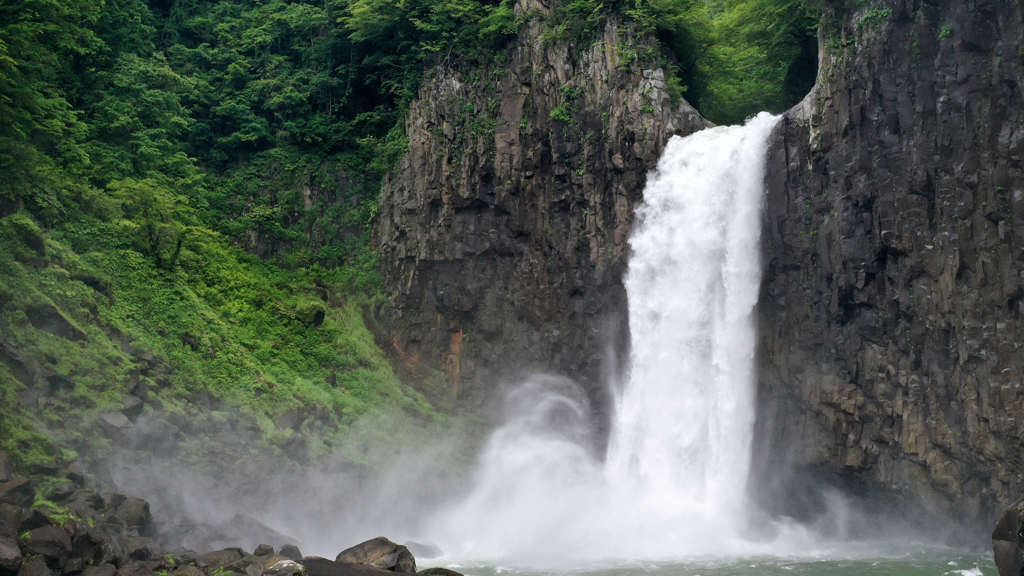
[674,480]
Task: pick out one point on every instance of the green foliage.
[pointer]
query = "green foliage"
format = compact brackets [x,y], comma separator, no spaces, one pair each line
[946,32]
[574,22]
[39,130]
[153,217]
[262,339]
[146,143]
[137,119]
[560,113]
[764,57]
[685,28]
[731,58]
[55,512]
[18,437]
[874,16]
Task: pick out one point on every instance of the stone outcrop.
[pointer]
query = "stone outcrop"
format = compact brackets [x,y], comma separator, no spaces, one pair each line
[380,553]
[891,311]
[1008,541]
[503,231]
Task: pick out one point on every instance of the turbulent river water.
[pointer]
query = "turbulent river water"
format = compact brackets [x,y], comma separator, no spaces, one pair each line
[669,497]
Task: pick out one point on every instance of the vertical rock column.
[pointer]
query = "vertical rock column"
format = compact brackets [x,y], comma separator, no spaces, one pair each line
[503,231]
[891,311]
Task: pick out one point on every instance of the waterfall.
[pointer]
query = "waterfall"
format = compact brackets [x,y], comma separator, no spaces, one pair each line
[674,480]
[684,421]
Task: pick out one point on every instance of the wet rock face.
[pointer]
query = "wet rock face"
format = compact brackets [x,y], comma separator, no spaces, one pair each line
[891,311]
[503,231]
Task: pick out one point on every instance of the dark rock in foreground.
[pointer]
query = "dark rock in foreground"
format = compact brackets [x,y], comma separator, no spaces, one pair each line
[35,566]
[18,492]
[380,553]
[101,570]
[50,543]
[10,554]
[1008,541]
[264,550]
[316,566]
[281,566]
[438,572]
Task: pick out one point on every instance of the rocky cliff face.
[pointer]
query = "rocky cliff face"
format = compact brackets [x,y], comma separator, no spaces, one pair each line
[503,230]
[891,311]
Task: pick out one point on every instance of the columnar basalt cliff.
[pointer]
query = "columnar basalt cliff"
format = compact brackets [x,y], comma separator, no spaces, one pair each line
[503,231]
[891,311]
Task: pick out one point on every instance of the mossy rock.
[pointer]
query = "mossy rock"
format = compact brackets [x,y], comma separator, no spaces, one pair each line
[311,314]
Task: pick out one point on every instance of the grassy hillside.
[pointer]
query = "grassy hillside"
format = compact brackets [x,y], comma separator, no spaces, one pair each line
[87,319]
[189,189]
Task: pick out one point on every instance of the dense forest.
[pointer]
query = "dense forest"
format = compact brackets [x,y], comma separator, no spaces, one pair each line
[189,189]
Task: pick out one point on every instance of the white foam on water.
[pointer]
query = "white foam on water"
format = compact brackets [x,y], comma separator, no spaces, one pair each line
[673,483]
[970,572]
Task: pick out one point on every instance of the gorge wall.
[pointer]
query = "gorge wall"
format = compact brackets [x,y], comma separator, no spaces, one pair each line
[891,309]
[503,231]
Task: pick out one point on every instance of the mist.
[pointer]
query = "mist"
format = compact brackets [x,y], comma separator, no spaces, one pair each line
[675,481]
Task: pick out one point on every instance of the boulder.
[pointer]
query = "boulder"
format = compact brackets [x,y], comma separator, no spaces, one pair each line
[285,567]
[10,554]
[49,318]
[1008,541]
[142,549]
[73,566]
[102,570]
[249,564]
[35,566]
[423,551]
[115,425]
[49,542]
[49,469]
[76,473]
[132,406]
[163,564]
[380,553]
[135,513]
[438,572]
[31,519]
[264,550]
[6,467]
[86,503]
[10,520]
[62,492]
[291,552]
[18,492]
[134,569]
[212,561]
[316,566]
[89,544]
[112,500]
[185,571]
